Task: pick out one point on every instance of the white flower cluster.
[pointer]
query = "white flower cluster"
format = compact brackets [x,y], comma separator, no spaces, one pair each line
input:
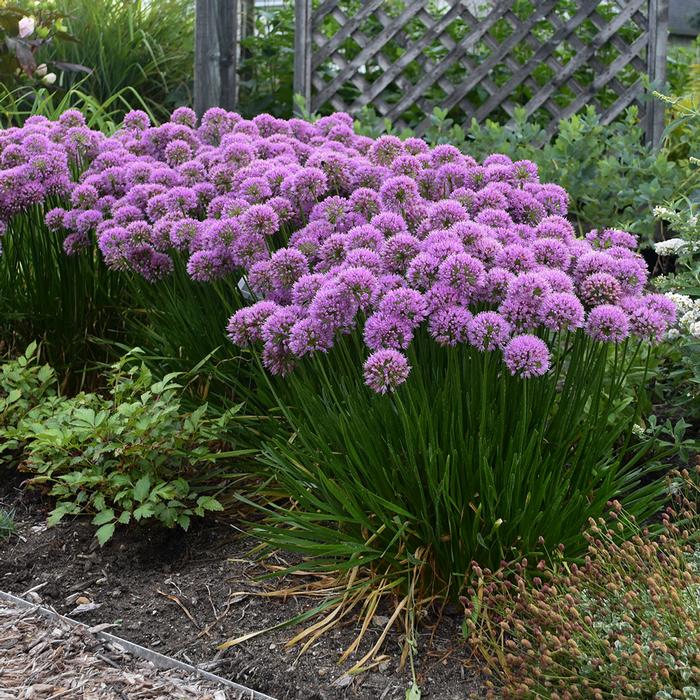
[688,322]
[672,246]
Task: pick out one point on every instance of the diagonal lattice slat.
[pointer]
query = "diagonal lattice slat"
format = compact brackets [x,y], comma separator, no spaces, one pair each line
[407,57]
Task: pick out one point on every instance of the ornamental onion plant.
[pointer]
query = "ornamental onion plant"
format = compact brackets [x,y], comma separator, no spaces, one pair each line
[456,367]
[44,293]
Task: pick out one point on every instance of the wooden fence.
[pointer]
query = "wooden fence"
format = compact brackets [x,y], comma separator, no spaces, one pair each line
[548,57]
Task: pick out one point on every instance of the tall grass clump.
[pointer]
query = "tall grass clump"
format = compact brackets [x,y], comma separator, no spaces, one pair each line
[144,46]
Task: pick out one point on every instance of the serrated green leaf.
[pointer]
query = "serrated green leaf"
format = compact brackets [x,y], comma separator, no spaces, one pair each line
[104,533]
[142,488]
[103,517]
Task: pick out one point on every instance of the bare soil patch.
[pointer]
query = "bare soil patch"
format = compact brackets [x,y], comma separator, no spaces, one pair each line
[183,594]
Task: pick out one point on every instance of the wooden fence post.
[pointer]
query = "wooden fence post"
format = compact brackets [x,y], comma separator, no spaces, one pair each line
[658,39]
[215,54]
[302,52]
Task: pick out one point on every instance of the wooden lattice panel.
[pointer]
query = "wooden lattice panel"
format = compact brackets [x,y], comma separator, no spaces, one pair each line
[548,57]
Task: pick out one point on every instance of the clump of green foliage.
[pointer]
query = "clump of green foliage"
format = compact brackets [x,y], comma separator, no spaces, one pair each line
[622,624]
[130,455]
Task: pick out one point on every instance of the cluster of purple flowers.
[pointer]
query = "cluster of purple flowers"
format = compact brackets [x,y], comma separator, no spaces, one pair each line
[35,163]
[331,230]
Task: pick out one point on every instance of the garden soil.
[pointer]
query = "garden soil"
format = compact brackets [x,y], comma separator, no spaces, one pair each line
[184,594]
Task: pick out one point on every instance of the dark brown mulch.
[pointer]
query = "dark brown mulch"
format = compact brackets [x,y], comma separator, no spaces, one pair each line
[183,594]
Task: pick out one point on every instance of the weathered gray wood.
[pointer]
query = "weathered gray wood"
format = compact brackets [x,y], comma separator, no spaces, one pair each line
[302,51]
[215,63]
[658,37]
[478,55]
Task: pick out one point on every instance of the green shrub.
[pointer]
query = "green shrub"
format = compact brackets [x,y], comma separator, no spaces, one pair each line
[132,455]
[622,625]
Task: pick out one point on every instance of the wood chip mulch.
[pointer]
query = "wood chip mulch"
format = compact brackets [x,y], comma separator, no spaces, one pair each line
[45,659]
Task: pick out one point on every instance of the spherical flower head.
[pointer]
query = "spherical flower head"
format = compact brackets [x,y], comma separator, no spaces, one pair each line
[260,280]
[496,218]
[278,360]
[442,244]
[309,335]
[526,356]
[389,223]
[592,263]
[277,328]
[255,190]
[54,219]
[84,197]
[260,219]
[608,324]
[149,263]
[516,258]
[333,251]
[632,274]
[398,251]
[247,249]
[75,243]
[287,265]
[423,270]
[404,303]
[529,287]
[495,286]
[209,265]
[88,221]
[645,322]
[136,120]
[555,227]
[305,288]
[385,150]
[245,326]
[385,370]
[366,202]
[333,306]
[177,152]
[464,273]
[611,238]
[561,311]
[330,209]
[662,304]
[183,232]
[415,146]
[399,194]
[184,116]
[406,165]
[445,153]
[365,236]
[551,252]
[600,288]
[525,171]
[446,212]
[489,331]
[387,331]
[449,325]
[363,257]
[360,282]
[553,197]
[486,249]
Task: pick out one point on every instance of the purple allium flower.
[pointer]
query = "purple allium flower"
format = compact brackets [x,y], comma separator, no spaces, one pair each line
[54,218]
[387,331]
[305,288]
[552,252]
[386,149]
[607,324]
[277,328]
[423,270]
[287,266]
[662,305]
[389,223]
[399,193]
[309,335]
[526,356]
[645,321]
[333,306]
[385,370]
[555,227]
[398,251]
[449,325]
[489,331]
[245,326]
[600,288]
[516,258]
[360,282]
[464,273]
[561,311]
[404,303]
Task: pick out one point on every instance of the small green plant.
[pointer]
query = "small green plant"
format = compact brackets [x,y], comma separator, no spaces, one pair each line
[7,523]
[132,455]
[24,384]
[622,625]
